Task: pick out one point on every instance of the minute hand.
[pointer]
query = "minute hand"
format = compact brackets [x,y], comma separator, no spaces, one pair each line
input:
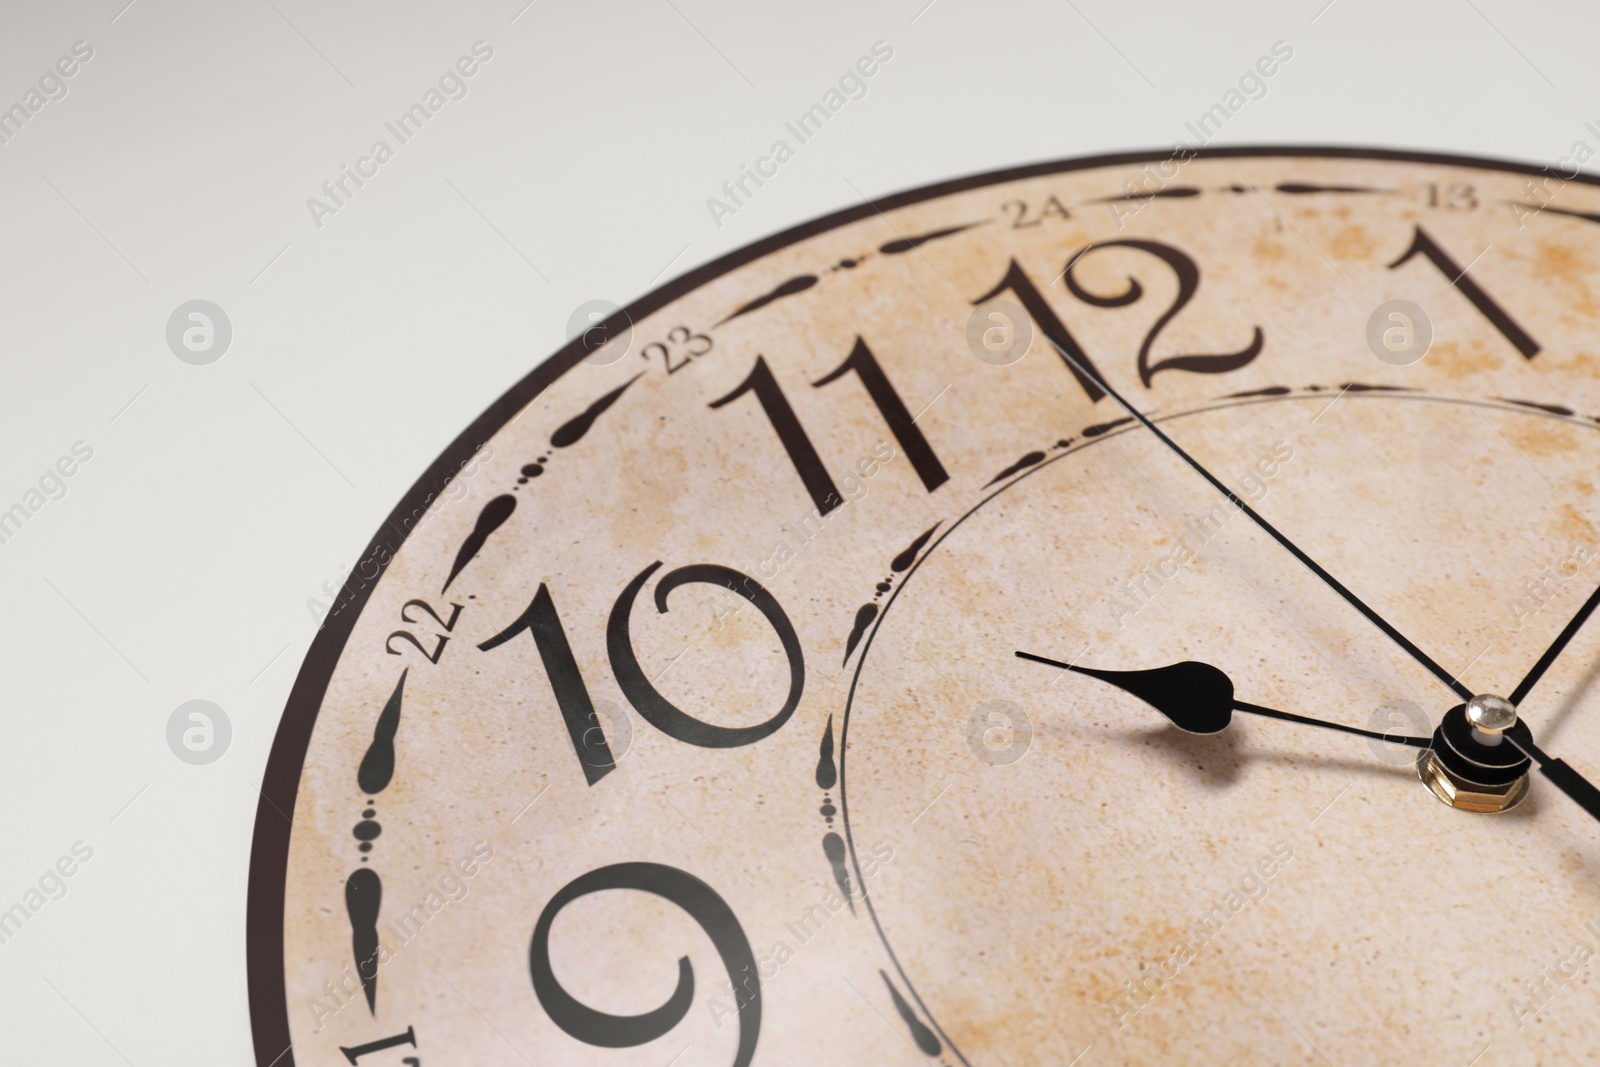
[1524,687]
[1272,531]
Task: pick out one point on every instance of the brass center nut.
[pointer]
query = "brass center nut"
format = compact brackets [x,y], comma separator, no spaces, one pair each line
[1468,796]
[1478,759]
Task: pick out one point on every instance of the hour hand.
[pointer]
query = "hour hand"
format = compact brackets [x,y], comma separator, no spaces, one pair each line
[1198,698]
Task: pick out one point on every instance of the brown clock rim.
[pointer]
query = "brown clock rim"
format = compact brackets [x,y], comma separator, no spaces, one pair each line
[280,781]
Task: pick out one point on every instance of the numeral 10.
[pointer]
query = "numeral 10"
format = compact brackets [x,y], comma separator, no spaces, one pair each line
[543,623]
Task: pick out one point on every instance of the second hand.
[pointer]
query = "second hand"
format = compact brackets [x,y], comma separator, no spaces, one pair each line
[1333,583]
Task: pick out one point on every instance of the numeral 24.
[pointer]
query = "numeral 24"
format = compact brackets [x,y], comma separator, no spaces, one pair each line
[795,441]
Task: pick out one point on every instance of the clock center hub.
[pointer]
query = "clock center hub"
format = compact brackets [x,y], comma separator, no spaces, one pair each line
[1470,766]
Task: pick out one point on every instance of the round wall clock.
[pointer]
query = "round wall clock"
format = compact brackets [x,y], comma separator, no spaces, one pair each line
[677,715]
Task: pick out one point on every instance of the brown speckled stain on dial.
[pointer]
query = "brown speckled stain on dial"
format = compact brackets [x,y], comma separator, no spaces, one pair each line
[1020,910]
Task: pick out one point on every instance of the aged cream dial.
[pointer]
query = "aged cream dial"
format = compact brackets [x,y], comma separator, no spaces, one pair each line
[674,715]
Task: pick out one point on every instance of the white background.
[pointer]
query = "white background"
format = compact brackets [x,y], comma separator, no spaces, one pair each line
[219,500]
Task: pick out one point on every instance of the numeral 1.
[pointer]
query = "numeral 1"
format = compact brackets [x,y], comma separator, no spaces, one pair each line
[1471,290]
[354,1054]
[917,450]
[566,682]
[1038,309]
[790,433]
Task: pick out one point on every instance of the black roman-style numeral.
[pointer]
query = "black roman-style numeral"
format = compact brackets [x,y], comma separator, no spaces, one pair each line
[1187,273]
[893,409]
[803,455]
[572,695]
[1458,277]
[1184,270]
[708,910]
[790,433]
[355,1053]
[566,682]
[1021,286]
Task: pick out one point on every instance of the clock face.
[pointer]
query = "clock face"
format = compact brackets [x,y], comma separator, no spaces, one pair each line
[675,716]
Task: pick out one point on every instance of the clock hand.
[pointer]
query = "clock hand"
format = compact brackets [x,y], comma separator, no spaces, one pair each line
[1564,778]
[1333,583]
[1530,680]
[1496,717]
[1470,742]
[1198,698]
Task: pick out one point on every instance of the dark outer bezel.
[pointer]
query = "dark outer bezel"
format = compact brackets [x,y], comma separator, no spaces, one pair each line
[269,853]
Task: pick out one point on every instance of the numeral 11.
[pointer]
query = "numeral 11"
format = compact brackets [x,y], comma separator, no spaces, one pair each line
[813,474]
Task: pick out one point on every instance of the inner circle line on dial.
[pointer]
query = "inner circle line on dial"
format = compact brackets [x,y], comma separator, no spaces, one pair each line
[291,740]
[871,635]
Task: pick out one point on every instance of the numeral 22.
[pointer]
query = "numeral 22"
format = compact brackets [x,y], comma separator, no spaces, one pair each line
[406,635]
